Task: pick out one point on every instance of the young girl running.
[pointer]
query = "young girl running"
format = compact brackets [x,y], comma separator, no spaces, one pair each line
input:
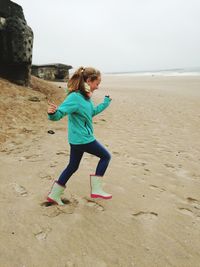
[80,110]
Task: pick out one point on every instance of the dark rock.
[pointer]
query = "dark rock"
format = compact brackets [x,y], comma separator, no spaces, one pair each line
[51,132]
[16,42]
[34,99]
[52,72]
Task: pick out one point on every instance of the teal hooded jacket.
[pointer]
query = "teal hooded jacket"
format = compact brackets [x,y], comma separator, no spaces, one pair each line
[80,112]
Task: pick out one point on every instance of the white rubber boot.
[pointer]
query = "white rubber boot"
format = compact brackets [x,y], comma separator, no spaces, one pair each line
[55,195]
[96,188]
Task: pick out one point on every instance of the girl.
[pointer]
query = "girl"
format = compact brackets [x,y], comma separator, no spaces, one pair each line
[80,110]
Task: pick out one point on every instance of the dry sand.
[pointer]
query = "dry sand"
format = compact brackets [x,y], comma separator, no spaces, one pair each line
[152,130]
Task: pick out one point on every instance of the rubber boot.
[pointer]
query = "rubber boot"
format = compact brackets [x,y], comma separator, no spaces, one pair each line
[55,194]
[96,188]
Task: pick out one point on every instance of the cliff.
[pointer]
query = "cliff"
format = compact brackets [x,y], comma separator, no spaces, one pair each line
[16,43]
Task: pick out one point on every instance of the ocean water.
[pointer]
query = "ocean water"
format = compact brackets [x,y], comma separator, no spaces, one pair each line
[168,72]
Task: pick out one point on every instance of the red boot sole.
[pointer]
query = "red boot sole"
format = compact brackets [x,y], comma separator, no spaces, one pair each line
[51,200]
[99,196]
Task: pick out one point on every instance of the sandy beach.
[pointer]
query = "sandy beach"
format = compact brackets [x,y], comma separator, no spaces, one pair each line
[152,131]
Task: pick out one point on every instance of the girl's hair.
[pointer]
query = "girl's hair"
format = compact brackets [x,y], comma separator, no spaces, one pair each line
[80,77]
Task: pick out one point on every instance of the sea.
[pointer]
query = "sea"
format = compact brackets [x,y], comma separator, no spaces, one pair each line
[166,72]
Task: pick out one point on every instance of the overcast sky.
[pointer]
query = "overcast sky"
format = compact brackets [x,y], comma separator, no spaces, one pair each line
[115,35]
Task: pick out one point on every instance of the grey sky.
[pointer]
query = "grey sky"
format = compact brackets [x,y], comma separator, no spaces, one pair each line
[115,35]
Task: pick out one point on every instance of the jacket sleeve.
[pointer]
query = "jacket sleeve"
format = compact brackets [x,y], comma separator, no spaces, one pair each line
[98,109]
[69,105]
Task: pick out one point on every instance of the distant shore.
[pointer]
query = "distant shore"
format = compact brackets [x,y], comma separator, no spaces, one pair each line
[170,72]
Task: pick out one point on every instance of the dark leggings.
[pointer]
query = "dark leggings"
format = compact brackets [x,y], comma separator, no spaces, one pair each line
[76,153]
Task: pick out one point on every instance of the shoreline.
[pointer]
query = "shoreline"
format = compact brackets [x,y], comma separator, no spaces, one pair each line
[159,74]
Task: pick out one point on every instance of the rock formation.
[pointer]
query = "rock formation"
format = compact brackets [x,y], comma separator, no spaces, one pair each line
[16,42]
[52,72]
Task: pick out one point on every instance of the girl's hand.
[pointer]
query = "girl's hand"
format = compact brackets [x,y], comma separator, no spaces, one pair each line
[108,97]
[52,108]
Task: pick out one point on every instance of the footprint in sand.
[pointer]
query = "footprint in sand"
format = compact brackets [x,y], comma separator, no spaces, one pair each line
[157,188]
[70,264]
[54,164]
[20,190]
[138,163]
[94,204]
[62,153]
[190,207]
[115,153]
[45,176]
[145,216]
[195,176]
[33,156]
[194,202]
[186,211]
[146,171]
[53,210]
[42,234]
[168,165]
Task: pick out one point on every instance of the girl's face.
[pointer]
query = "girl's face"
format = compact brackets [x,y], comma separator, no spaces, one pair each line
[94,84]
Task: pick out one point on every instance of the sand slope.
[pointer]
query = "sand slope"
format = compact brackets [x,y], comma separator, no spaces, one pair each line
[152,130]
